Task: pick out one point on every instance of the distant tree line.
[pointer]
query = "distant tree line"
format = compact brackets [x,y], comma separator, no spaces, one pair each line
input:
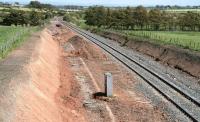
[140,18]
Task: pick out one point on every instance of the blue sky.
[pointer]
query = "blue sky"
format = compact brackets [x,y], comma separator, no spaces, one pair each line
[115,2]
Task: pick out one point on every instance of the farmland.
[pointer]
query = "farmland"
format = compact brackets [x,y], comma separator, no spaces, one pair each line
[182,10]
[16,8]
[188,40]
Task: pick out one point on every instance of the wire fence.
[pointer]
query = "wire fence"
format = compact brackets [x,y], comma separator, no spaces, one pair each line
[177,40]
[15,38]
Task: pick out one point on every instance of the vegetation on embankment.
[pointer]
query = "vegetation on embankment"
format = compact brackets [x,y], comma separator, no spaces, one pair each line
[12,36]
[186,40]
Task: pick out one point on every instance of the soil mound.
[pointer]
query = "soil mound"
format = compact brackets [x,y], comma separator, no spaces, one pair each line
[86,49]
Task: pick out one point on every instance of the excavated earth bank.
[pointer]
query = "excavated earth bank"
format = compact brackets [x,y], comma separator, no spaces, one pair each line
[34,87]
[181,59]
[56,76]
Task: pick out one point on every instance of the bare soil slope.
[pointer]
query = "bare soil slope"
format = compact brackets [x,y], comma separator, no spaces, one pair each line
[181,59]
[33,83]
[57,76]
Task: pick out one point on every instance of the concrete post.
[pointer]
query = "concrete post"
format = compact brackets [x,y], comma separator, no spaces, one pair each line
[108,84]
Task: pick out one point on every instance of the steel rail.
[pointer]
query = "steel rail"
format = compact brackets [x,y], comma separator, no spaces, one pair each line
[184,102]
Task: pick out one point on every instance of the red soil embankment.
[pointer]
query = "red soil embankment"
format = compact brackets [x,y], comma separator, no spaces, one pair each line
[36,100]
[39,90]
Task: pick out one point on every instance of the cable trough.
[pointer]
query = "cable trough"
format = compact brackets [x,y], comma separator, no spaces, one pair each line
[185,99]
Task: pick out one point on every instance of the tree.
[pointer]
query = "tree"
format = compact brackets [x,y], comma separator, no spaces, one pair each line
[129,19]
[35,18]
[189,21]
[16,17]
[198,21]
[140,16]
[35,4]
[95,16]
[67,18]
[38,5]
[108,18]
[117,19]
[155,18]
[90,16]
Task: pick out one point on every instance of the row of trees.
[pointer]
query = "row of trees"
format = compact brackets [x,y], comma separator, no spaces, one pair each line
[141,18]
[20,17]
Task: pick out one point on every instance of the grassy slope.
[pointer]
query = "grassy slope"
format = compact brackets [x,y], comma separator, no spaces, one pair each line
[6,32]
[19,34]
[189,40]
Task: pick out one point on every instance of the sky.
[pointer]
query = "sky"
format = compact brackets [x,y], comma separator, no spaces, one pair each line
[114,2]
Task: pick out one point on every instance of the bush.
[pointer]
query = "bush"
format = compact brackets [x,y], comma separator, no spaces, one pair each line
[19,17]
[75,18]
[67,18]
[35,18]
[16,17]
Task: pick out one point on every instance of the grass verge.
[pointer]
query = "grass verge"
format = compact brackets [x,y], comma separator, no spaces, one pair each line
[185,40]
[12,37]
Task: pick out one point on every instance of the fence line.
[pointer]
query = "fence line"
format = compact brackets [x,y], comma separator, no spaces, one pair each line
[7,45]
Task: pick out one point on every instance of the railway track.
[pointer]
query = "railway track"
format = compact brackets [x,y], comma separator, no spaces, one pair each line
[186,100]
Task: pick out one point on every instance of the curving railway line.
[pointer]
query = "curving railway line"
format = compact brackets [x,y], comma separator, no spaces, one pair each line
[184,98]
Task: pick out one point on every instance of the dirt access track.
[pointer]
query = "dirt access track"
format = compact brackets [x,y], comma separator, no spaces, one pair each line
[57,76]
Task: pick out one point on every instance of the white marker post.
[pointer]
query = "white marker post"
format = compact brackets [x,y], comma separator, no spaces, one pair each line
[108,84]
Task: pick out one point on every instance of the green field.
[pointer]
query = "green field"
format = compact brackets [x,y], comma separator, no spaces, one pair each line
[188,40]
[17,8]
[182,10]
[22,9]
[7,32]
[12,36]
